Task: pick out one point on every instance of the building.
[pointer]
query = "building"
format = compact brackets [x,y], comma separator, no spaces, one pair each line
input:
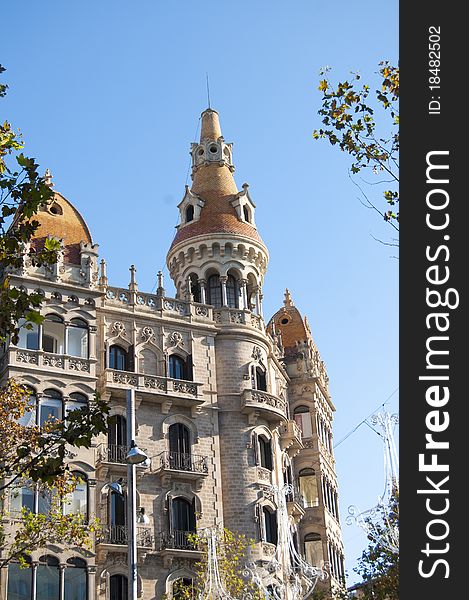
[226,405]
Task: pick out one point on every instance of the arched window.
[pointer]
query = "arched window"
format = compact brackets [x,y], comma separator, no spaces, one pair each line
[313,549]
[182,515]
[259,378]
[118,358]
[77,501]
[117,514]
[117,439]
[181,587]
[231,292]
[29,417]
[28,338]
[189,213]
[265,452]
[53,334]
[76,401]
[118,587]
[308,485]
[303,420]
[48,578]
[214,291]
[270,524]
[247,216]
[179,447]
[19,581]
[78,338]
[75,580]
[177,367]
[195,287]
[50,407]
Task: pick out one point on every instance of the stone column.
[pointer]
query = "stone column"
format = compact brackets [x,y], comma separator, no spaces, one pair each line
[244,295]
[91,574]
[62,568]
[223,280]
[203,290]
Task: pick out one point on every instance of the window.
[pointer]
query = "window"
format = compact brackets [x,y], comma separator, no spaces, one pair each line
[270,524]
[182,515]
[29,417]
[19,582]
[118,358]
[214,291]
[117,511]
[75,580]
[313,549]
[181,587]
[77,501]
[179,447]
[22,497]
[231,292]
[303,420]
[258,378]
[247,217]
[53,334]
[118,587]
[29,338]
[265,452]
[177,367]
[77,401]
[189,213]
[78,338]
[308,484]
[50,407]
[48,580]
[117,431]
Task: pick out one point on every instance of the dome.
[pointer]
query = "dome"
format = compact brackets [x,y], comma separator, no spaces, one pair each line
[289,322]
[60,219]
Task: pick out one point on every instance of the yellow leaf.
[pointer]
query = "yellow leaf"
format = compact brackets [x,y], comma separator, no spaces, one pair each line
[323,85]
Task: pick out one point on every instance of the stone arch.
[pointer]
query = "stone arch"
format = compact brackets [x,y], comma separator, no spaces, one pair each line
[174,576]
[178,418]
[151,360]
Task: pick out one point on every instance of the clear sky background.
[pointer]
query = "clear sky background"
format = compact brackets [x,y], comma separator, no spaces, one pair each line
[108,95]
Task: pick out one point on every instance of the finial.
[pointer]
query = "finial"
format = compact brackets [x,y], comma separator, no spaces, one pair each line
[133,283]
[160,288]
[288,301]
[103,278]
[48,178]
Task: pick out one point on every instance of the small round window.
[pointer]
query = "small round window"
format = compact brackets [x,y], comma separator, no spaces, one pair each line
[284,320]
[200,151]
[213,149]
[55,209]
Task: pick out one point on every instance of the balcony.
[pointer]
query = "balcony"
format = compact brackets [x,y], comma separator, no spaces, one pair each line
[295,505]
[176,544]
[163,389]
[115,538]
[237,316]
[290,438]
[180,466]
[257,403]
[47,361]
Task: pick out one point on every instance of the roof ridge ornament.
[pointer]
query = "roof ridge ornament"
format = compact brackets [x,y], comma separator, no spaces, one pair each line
[288,299]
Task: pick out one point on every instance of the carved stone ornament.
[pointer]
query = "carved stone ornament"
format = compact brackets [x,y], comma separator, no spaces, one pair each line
[176,339]
[147,334]
[256,353]
[118,328]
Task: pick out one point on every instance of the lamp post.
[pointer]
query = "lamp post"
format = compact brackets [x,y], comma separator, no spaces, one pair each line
[134,457]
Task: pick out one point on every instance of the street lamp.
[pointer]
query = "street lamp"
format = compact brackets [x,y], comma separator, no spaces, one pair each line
[134,457]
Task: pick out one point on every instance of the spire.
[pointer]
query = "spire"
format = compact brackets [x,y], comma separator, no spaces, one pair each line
[288,301]
[48,178]
[210,128]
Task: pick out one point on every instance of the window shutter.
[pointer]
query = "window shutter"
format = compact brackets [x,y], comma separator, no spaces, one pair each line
[189,368]
[169,508]
[255,447]
[131,359]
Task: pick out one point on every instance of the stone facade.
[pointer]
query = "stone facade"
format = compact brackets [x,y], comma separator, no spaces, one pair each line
[226,405]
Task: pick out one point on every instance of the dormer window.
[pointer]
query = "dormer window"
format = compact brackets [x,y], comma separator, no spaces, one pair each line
[247,216]
[189,213]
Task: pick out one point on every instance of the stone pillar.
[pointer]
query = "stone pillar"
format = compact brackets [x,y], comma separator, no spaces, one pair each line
[62,568]
[91,574]
[223,280]
[244,295]
[203,290]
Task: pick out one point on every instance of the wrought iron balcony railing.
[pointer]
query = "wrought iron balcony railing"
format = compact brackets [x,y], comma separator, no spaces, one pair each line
[112,453]
[119,535]
[177,540]
[181,461]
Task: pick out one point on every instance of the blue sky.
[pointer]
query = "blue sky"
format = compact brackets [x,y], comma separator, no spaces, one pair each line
[108,96]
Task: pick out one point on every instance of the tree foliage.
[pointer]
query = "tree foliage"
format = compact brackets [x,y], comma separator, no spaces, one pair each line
[379,566]
[348,115]
[231,553]
[37,457]
[22,192]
